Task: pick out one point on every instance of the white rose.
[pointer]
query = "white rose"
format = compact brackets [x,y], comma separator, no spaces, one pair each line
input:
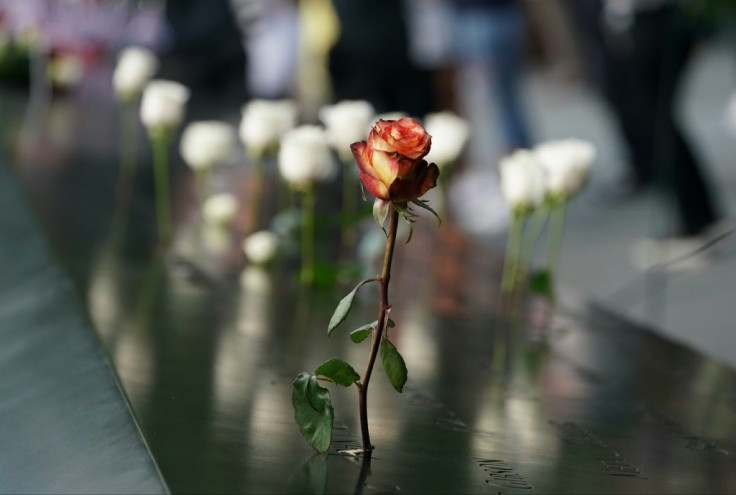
[162,106]
[522,180]
[346,123]
[261,247]
[136,66]
[264,122]
[220,209]
[207,143]
[449,135]
[304,157]
[567,165]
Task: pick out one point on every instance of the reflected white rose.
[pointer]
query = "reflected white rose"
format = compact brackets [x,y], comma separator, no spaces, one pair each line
[163,105]
[304,157]
[136,66]
[263,124]
[566,164]
[261,247]
[346,123]
[206,143]
[220,209]
[449,135]
[522,180]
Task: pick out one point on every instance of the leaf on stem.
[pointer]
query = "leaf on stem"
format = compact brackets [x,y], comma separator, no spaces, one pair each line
[423,203]
[541,283]
[360,334]
[339,371]
[391,323]
[313,411]
[393,365]
[343,307]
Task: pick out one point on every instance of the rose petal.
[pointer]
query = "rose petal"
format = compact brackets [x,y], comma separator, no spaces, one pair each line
[415,187]
[368,175]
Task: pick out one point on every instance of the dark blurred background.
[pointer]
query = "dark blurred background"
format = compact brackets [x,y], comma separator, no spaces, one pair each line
[649,82]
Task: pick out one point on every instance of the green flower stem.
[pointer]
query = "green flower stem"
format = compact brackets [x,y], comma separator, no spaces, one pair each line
[308,200]
[530,238]
[349,207]
[160,141]
[513,247]
[557,227]
[256,196]
[379,330]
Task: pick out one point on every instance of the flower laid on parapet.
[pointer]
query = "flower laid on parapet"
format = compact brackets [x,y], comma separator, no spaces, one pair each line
[392,168]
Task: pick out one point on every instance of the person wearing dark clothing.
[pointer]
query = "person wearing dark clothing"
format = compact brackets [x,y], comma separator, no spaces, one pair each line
[370,61]
[645,51]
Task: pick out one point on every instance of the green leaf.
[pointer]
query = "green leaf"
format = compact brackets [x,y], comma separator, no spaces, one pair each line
[362,190]
[313,411]
[391,323]
[360,334]
[421,203]
[338,370]
[343,307]
[393,365]
[541,283]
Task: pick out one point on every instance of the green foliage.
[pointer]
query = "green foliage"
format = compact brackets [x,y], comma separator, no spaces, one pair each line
[343,307]
[339,371]
[360,334]
[313,411]
[393,365]
[423,203]
[541,283]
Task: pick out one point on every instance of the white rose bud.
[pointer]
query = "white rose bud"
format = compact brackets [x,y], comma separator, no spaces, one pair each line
[162,106]
[263,124]
[346,123]
[261,247]
[449,135]
[567,166]
[220,209]
[522,181]
[207,143]
[136,66]
[304,157]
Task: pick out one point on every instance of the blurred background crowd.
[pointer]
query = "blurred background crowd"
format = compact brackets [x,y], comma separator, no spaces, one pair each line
[649,82]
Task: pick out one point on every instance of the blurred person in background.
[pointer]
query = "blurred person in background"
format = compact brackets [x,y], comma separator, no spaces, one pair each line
[642,48]
[371,61]
[491,33]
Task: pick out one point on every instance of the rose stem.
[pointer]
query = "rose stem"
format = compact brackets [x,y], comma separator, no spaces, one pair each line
[128,152]
[161,177]
[530,238]
[256,193]
[348,207]
[512,253]
[307,273]
[557,226]
[380,328]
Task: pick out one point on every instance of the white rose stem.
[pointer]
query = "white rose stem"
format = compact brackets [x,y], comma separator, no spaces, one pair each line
[256,196]
[202,177]
[349,206]
[531,236]
[160,143]
[442,182]
[557,226]
[513,247]
[307,270]
[126,175]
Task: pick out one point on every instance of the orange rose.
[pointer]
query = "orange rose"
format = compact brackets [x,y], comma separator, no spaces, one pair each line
[393,176]
[404,136]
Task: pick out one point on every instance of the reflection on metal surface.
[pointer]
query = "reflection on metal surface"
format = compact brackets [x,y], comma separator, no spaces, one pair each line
[207,355]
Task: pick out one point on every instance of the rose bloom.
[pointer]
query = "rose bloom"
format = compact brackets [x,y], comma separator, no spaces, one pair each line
[264,122]
[162,106]
[135,68]
[346,123]
[390,161]
[206,143]
[220,209]
[449,135]
[567,166]
[304,157]
[522,180]
[404,136]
